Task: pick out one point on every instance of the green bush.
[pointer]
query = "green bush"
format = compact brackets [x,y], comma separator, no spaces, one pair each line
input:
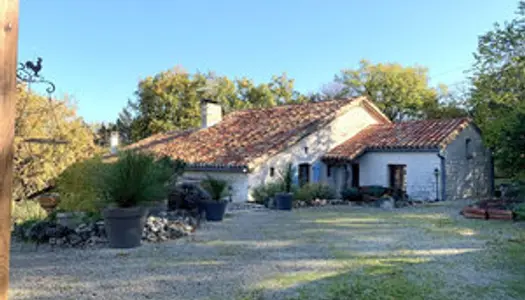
[77,186]
[373,190]
[312,191]
[351,194]
[264,191]
[286,178]
[519,211]
[216,188]
[27,211]
[134,178]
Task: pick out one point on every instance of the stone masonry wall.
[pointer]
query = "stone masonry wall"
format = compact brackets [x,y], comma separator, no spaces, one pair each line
[467,177]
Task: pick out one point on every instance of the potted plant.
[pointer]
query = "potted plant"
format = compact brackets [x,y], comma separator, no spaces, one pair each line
[284,199]
[216,207]
[177,166]
[126,185]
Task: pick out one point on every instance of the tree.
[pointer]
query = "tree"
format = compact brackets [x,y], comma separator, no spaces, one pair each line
[49,137]
[102,133]
[170,100]
[450,105]
[498,93]
[400,92]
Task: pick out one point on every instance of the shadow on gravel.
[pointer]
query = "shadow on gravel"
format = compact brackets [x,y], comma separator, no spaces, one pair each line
[315,252]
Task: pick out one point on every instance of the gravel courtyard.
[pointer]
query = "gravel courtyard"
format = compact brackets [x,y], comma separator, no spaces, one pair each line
[279,255]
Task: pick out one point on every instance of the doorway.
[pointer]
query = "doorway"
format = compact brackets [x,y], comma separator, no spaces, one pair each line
[397,175]
[355,175]
[304,174]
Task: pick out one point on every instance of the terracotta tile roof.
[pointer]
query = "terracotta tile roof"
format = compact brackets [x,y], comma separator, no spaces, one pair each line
[243,137]
[424,134]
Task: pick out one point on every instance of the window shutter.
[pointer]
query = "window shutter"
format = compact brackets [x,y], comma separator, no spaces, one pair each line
[316,172]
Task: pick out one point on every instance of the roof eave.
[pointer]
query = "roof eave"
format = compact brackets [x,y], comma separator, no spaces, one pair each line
[201,167]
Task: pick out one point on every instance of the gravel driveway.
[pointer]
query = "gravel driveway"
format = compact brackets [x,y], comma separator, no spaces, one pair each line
[279,253]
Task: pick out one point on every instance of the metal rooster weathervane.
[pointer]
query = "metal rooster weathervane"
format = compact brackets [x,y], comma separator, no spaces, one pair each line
[28,73]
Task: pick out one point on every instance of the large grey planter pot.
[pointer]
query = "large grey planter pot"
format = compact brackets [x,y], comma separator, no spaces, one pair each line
[70,220]
[214,210]
[124,226]
[284,201]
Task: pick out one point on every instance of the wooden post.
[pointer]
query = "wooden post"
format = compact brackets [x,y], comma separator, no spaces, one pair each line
[8,63]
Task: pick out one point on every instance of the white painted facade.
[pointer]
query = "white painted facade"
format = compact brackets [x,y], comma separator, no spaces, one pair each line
[318,143]
[420,166]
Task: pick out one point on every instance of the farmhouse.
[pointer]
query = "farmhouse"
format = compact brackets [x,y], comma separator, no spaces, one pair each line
[344,143]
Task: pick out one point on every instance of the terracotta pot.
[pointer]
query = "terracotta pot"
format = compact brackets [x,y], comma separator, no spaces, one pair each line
[499,214]
[474,213]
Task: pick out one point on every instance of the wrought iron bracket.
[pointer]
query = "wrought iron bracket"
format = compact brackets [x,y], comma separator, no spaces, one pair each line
[28,73]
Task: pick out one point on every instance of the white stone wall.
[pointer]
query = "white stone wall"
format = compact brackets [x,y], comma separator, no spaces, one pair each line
[238,182]
[318,143]
[420,178]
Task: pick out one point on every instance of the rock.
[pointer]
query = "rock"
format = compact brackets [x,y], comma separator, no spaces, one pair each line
[386,202]
[75,239]
[174,225]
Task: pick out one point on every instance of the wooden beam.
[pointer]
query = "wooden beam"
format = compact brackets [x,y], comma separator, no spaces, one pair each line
[8,63]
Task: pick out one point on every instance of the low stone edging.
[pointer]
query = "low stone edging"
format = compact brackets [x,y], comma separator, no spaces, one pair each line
[165,226]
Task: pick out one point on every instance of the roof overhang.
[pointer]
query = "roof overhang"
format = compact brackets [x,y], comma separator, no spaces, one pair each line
[342,158]
[199,167]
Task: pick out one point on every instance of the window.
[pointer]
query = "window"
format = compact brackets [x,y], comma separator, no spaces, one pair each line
[272,171]
[305,150]
[328,170]
[468,148]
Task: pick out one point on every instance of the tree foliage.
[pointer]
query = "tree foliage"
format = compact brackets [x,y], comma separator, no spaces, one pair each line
[170,100]
[49,136]
[400,92]
[498,94]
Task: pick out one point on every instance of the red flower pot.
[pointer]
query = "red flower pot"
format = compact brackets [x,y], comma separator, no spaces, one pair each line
[474,213]
[499,214]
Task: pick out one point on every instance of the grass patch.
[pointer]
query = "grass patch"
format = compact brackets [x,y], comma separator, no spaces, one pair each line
[375,283]
[293,279]
[256,294]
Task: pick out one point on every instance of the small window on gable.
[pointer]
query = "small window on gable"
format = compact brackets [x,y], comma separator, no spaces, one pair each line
[305,150]
[468,148]
[272,171]
[328,171]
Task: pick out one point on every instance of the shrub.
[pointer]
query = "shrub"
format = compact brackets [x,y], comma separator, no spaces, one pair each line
[263,192]
[77,186]
[216,188]
[373,190]
[312,191]
[286,177]
[186,196]
[27,211]
[519,211]
[516,191]
[352,194]
[134,178]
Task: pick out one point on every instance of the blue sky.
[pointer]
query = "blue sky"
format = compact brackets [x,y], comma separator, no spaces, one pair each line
[96,51]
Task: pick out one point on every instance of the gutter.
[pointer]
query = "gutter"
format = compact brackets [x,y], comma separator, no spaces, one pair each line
[443,176]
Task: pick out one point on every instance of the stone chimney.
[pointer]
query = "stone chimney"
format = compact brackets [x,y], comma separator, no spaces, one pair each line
[211,113]
[114,141]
